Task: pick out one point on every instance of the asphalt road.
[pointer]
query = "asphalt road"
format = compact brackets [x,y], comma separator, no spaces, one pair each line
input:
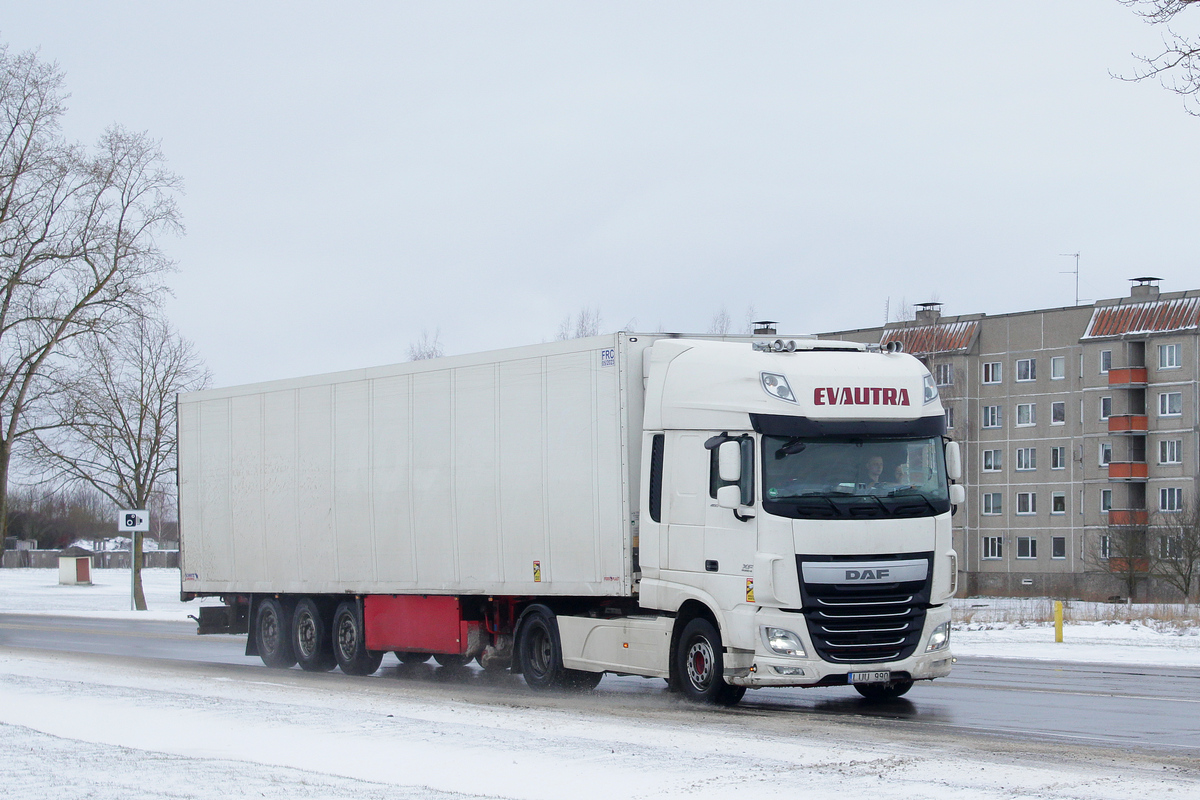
[1126,707]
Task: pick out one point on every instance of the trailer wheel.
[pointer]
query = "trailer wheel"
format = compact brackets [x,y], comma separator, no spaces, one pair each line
[539,653]
[450,660]
[350,642]
[273,633]
[700,666]
[411,657]
[311,639]
[881,692]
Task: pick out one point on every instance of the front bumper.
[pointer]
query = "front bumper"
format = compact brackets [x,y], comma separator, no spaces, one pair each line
[766,668]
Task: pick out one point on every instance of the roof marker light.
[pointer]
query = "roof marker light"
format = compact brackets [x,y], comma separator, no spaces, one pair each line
[777,386]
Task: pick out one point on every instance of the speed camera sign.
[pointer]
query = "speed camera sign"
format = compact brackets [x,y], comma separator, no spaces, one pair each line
[135,519]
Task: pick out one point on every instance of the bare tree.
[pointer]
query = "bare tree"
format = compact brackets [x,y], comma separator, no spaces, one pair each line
[585,323]
[751,314]
[112,424]
[426,347]
[1177,66]
[1176,535]
[78,246]
[720,323]
[1123,551]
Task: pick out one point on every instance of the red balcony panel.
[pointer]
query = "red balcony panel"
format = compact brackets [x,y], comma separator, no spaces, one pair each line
[1123,565]
[1128,423]
[1127,516]
[1128,470]
[1127,376]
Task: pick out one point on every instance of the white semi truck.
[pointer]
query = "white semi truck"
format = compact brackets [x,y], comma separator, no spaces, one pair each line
[722,513]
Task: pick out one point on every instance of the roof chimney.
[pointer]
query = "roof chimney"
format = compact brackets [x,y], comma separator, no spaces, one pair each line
[1144,288]
[765,327]
[929,313]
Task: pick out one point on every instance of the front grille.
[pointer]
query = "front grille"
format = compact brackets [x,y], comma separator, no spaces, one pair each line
[863,624]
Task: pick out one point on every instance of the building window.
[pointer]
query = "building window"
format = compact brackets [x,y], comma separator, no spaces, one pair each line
[1026,414]
[1026,369]
[993,547]
[1026,459]
[944,374]
[1105,453]
[1058,413]
[1170,547]
[1058,547]
[1026,547]
[1170,499]
[1026,502]
[1169,356]
[1105,500]
[1058,457]
[992,417]
[993,503]
[1105,408]
[1058,368]
[1105,361]
[1058,503]
[1170,404]
[1170,451]
[993,460]
[949,416]
[1105,546]
[993,372]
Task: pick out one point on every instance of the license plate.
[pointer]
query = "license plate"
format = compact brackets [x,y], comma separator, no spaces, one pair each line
[869,677]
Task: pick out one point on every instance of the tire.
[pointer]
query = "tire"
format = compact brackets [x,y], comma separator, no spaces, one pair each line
[273,633]
[700,666]
[350,642]
[312,641]
[411,657]
[450,660]
[882,692]
[539,654]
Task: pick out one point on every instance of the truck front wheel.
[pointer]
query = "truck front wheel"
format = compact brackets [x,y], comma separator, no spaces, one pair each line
[273,633]
[350,642]
[882,692]
[700,666]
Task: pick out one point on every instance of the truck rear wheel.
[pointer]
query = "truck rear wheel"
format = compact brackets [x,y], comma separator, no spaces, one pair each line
[311,639]
[700,666]
[273,633]
[350,642]
[539,654]
[411,657]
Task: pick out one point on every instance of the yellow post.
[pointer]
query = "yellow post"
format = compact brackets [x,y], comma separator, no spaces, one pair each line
[1058,620]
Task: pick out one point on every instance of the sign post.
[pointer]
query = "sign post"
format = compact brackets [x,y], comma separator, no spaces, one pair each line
[133,521]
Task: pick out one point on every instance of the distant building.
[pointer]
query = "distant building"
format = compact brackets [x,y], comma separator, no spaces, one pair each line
[1074,422]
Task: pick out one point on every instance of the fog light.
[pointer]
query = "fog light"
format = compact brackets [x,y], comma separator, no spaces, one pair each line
[788,670]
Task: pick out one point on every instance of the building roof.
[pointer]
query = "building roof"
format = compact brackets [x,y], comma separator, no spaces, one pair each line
[1159,316]
[951,337]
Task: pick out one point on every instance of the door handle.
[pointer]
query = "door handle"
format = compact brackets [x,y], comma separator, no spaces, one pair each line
[710,566]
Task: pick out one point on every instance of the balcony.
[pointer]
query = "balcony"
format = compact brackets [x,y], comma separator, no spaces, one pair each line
[1130,376]
[1127,471]
[1127,516]
[1128,423]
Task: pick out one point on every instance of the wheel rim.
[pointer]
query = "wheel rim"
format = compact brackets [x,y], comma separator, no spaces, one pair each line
[700,664]
[541,652]
[269,627]
[306,635]
[347,637]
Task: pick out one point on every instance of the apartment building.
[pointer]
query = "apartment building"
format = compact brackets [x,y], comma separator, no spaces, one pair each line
[1076,424]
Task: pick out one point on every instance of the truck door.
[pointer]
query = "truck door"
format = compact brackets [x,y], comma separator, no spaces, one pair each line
[731,536]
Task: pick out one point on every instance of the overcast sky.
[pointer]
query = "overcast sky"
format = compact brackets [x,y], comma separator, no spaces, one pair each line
[357,173]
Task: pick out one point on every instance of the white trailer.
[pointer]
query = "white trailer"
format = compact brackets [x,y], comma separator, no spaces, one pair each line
[720,513]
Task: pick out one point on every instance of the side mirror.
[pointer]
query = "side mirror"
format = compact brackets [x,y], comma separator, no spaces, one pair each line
[729,461]
[958,494]
[953,461]
[729,497]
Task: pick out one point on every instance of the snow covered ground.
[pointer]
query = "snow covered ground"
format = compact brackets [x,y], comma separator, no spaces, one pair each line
[109,728]
[1003,628]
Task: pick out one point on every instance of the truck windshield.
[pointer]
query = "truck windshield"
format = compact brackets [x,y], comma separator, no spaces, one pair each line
[854,477]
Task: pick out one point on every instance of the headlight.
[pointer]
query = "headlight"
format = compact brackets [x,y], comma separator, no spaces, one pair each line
[783,642]
[931,391]
[777,386]
[939,639]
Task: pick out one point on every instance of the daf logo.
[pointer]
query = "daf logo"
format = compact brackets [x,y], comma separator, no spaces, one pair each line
[867,574]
